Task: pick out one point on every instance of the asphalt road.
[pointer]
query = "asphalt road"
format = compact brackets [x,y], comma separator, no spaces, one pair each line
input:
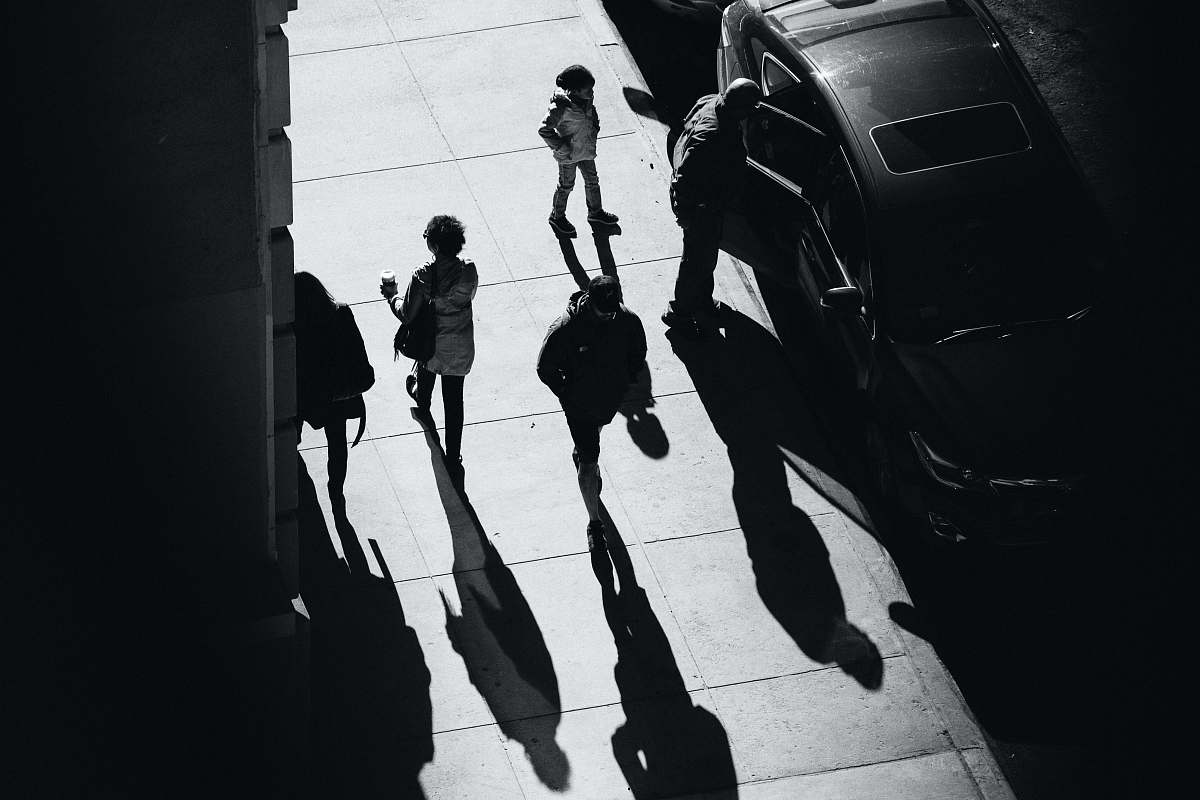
[1025,632]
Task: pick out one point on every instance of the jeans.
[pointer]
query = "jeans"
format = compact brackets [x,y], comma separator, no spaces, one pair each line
[701,241]
[566,182]
[452,403]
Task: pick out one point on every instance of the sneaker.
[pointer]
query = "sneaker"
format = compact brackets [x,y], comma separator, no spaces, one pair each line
[602,218]
[595,535]
[562,226]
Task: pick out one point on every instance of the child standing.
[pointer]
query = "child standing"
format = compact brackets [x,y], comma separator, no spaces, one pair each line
[570,130]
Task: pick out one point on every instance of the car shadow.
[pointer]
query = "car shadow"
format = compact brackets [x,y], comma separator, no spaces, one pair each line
[667,746]
[372,719]
[492,628]
[743,384]
[675,57]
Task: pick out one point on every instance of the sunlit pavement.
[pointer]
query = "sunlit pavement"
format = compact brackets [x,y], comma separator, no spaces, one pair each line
[737,641]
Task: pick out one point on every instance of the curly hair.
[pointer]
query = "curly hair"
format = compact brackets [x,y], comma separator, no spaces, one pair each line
[575,77]
[447,234]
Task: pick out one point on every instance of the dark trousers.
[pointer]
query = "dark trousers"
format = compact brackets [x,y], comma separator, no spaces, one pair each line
[452,403]
[701,241]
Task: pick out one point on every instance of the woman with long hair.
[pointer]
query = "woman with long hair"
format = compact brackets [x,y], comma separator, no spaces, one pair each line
[320,376]
[449,282]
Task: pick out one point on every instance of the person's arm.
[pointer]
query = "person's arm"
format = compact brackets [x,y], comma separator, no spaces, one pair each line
[461,293]
[552,360]
[406,306]
[637,349]
[549,129]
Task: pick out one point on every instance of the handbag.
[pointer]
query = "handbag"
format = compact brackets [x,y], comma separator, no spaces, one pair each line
[418,339]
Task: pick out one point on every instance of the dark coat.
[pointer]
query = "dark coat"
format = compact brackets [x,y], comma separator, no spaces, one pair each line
[318,373]
[709,159]
[589,362]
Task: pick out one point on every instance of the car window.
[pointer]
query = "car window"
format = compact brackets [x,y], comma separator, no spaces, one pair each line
[785,145]
[775,76]
[785,90]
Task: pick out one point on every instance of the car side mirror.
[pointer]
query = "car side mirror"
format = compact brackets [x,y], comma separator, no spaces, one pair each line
[843,299]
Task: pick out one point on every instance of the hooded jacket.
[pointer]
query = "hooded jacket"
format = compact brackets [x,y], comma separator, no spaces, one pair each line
[589,362]
[709,159]
[457,281]
[570,128]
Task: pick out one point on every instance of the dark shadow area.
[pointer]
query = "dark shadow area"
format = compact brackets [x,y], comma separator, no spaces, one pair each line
[608,264]
[747,401]
[600,236]
[571,259]
[644,428]
[371,712]
[667,746]
[498,637]
[675,57]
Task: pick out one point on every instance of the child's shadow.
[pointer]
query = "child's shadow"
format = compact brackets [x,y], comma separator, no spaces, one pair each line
[608,264]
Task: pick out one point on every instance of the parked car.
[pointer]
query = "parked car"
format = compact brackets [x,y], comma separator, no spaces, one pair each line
[904,172]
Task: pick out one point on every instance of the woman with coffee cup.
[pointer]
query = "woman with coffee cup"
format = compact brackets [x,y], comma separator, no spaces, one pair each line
[449,282]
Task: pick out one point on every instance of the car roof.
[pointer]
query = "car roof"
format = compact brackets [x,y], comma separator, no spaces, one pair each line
[925,57]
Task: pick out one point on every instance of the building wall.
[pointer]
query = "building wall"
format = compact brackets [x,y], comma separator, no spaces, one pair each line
[149,487]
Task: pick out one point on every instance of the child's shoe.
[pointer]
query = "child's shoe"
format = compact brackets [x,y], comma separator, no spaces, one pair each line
[562,226]
[602,218]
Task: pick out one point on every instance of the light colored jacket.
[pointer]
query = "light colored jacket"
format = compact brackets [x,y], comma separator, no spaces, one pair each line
[570,128]
[457,281]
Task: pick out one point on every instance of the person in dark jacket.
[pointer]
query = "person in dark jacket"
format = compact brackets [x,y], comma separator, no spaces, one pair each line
[317,373]
[590,356]
[708,161]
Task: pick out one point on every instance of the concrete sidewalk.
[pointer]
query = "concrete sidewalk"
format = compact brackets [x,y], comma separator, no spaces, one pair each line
[739,644]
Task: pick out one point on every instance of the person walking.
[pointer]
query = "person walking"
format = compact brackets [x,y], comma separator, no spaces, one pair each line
[708,161]
[590,355]
[570,130]
[449,283]
[332,372]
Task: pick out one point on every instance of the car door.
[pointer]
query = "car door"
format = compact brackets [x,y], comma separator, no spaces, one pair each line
[841,215]
[784,150]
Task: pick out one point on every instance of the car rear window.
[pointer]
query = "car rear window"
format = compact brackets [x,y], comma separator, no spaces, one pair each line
[950,137]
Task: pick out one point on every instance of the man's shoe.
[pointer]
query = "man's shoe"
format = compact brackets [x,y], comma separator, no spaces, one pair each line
[562,226]
[684,323]
[602,218]
[595,536]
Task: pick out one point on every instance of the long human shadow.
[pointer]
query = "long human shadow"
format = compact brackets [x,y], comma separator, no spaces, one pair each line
[667,746]
[372,719]
[491,626]
[746,398]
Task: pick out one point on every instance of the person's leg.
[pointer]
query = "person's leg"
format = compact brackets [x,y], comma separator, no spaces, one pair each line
[591,186]
[335,436]
[694,284]
[425,380]
[452,402]
[566,182]
[586,436]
